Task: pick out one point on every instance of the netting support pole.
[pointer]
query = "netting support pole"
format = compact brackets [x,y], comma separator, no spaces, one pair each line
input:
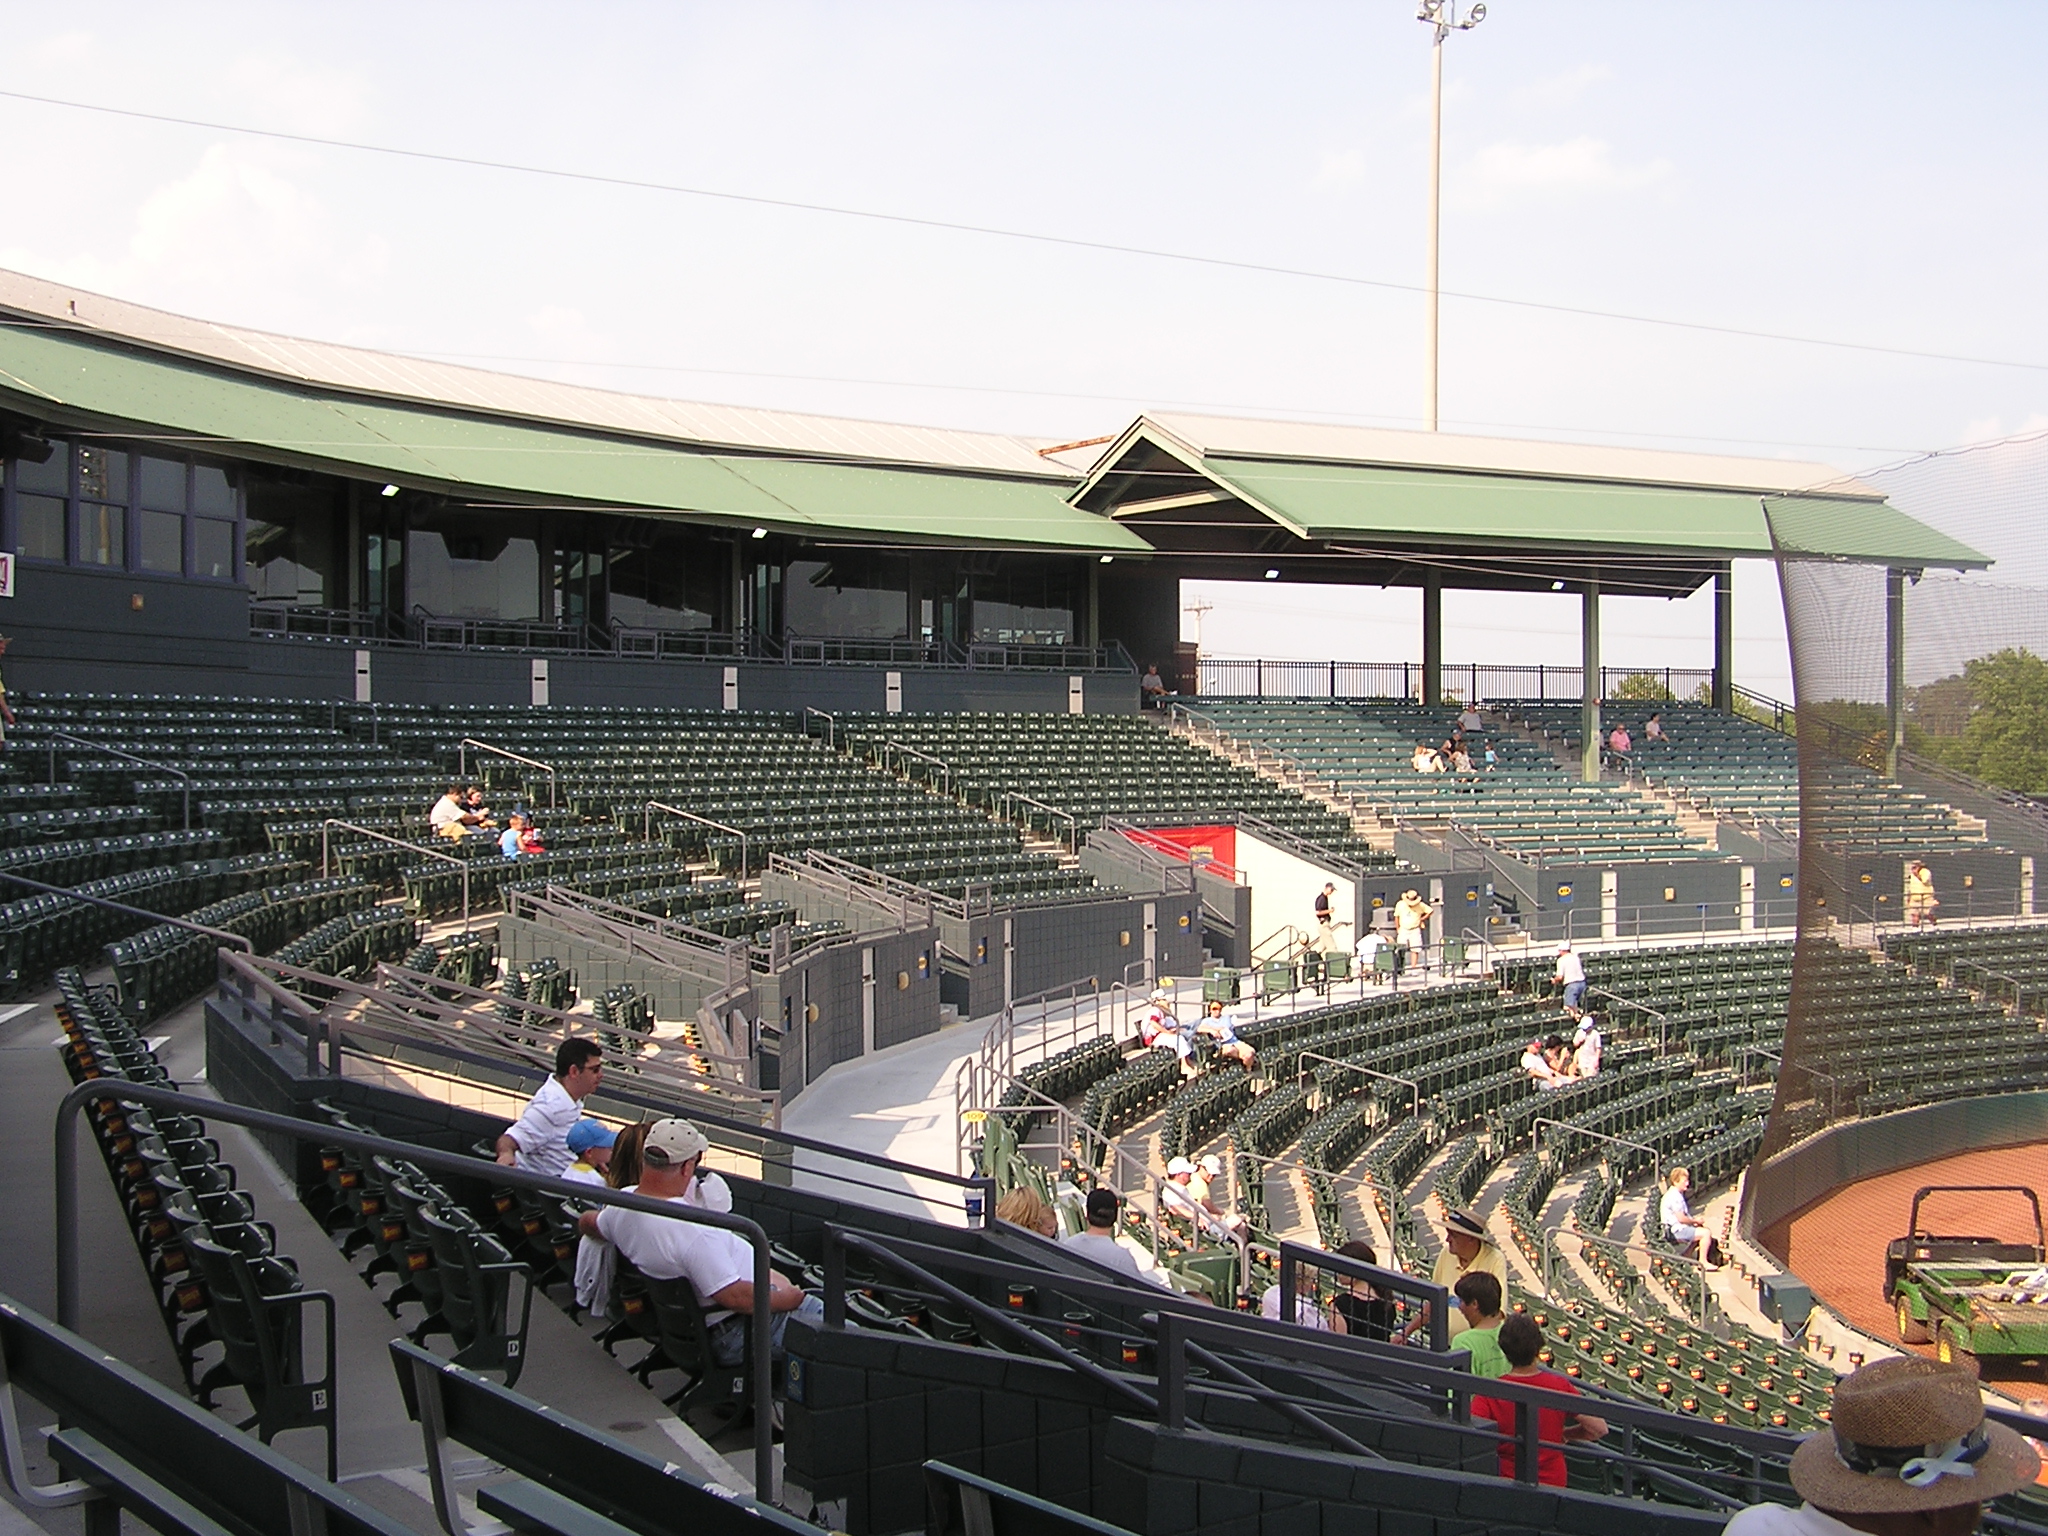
[1432,637]
[1894,669]
[1589,683]
[1724,638]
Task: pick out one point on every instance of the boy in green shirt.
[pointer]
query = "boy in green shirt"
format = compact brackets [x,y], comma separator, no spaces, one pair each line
[1478,1296]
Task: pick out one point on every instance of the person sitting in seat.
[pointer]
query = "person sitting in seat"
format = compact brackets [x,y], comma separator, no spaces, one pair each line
[1220,1027]
[718,1264]
[1469,720]
[1176,1198]
[1426,760]
[1536,1062]
[474,805]
[1159,1026]
[450,818]
[1492,760]
[1098,1242]
[1522,1341]
[1618,739]
[1461,760]
[1151,687]
[511,840]
[1653,728]
[1679,1225]
[1022,1208]
[590,1143]
[1358,1309]
[1307,1312]
[1558,1052]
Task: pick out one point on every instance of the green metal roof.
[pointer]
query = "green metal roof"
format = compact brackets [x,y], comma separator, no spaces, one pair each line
[1337,501]
[1864,531]
[67,379]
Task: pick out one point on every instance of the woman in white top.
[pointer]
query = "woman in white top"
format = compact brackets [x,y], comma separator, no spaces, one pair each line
[1679,1224]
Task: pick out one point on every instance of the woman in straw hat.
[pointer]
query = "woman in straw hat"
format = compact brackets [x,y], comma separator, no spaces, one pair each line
[1907,1450]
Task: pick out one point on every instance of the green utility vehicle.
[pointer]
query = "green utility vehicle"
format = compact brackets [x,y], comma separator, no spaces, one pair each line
[1976,1298]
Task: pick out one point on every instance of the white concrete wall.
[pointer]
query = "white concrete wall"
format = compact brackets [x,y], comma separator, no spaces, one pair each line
[1285,887]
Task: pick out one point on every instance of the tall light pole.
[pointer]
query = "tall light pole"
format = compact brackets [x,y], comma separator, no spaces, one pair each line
[1441,16]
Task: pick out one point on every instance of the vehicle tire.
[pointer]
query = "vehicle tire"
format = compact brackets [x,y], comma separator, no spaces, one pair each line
[1911,1329]
[1948,1352]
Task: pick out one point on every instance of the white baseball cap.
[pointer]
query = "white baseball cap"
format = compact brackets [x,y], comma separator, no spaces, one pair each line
[1211,1164]
[1179,1166]
[671,1143]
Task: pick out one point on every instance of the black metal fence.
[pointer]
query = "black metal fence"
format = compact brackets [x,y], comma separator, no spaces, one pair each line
[1469,683]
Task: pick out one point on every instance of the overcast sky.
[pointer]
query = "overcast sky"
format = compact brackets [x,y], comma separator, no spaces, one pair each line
[1861,172]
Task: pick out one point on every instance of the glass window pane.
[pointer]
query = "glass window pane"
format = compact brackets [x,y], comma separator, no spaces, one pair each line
[39,527]
[52,476]
[211,492]
[102,473]
[163,484]
[667,578]
[213,549]
[102,535]
[163,542]
[294,545]
[464,566]
[852,596]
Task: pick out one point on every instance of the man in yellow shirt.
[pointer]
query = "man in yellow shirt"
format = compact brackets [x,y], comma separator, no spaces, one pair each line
[1467,1250]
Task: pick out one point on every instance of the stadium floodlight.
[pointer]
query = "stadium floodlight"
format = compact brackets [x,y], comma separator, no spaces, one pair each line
[1106,559]
[1557,586]
[1441,16]
[760,533]
[1273,575]
[390,490]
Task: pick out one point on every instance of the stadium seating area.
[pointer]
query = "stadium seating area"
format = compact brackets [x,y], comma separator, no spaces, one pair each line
[1529,805]
[2002,964]
[1090,766]
[1725,765]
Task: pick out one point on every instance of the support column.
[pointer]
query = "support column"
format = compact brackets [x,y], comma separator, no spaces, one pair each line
[1894,669]
[1589,682]
[1724,639]
[1092,634]
[1432,637]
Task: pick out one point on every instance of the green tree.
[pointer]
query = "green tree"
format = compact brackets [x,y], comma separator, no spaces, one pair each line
[1644,686]
[2006,740]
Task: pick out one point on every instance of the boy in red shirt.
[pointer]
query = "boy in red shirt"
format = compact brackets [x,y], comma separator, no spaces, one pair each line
[1520,1340]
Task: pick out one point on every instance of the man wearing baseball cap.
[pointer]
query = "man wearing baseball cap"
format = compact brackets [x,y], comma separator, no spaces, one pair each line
[1467,1249]
[718,1264]
[1907,1450]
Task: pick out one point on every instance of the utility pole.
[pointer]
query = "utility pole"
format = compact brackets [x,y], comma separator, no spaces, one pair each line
[1198,607]
[1441,16]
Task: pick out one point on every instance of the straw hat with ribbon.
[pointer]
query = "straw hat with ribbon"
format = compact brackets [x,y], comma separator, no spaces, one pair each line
[1909,1434]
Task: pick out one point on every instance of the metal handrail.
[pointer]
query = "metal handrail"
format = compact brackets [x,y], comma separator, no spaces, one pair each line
[121,906]
[397,842]
[1663,1019]
[907,750]
[1351,1066]
[70,1266]
[462,762]
[1552,1235]
[1011,797]
[1536,1136]
[647,828]
[113,751]
[831,724]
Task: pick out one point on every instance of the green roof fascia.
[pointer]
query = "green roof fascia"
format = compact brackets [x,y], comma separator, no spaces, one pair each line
[1866,532]
[483,454]
[1334,501]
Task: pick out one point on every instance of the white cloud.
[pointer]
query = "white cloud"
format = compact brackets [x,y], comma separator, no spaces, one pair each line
[233,238]
[1339,168]
[1560,90]
[1581,167]
[1991,429]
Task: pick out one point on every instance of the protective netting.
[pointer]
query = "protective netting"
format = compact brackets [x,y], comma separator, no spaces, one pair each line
[1916,976]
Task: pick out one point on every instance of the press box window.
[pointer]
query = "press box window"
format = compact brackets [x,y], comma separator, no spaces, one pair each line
[39,527]
[213,549]
[163,542]
[102,534]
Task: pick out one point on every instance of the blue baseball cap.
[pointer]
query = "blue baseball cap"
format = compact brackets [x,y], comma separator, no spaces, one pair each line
[587,1133]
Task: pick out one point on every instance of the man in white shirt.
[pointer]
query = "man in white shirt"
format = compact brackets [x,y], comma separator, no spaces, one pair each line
[1098,1242]
[1571,975]
[1307,1313]
[1907,1449]
[538,1140]
[1675,1211]
[450,817]
[1536,1062]
[1469,721]
[718,1264]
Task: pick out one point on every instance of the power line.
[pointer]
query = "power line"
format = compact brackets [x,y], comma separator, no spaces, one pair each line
[1070,242]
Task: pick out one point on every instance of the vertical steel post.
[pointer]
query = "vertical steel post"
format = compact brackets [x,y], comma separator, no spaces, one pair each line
[1589,688]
